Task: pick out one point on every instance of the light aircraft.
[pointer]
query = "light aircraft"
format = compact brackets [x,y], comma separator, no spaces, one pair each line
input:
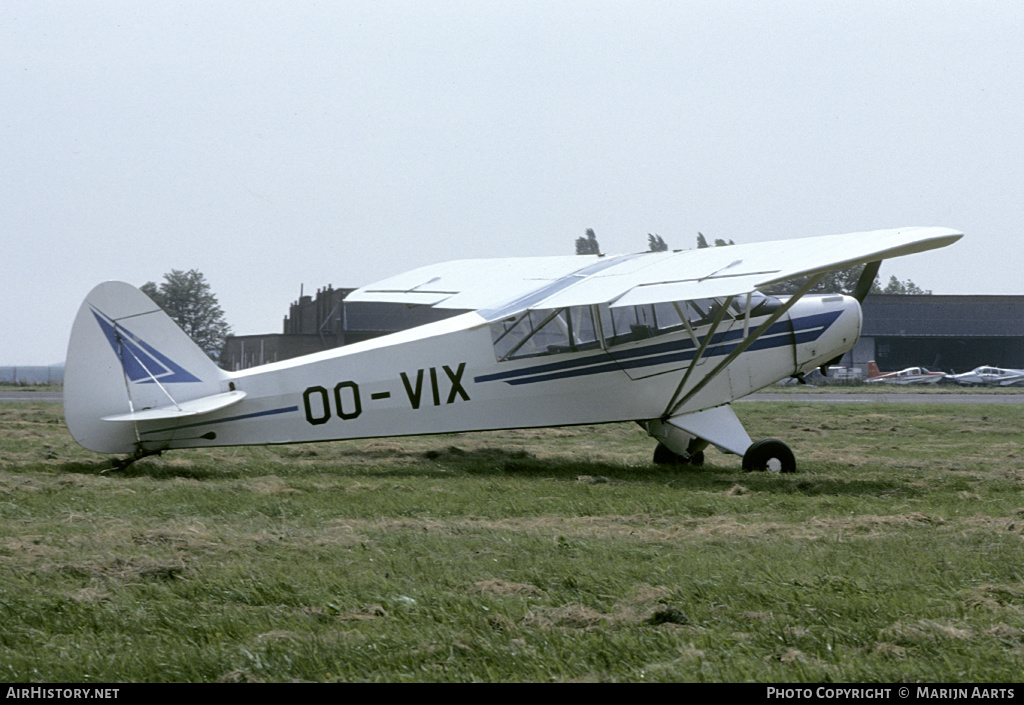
[989,377]
[667,339]
[910,375]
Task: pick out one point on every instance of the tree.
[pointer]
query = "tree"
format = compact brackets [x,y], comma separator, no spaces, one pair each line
[186,297]
[838,281]
[656,244]
[895,286]
[844,281]
[588,245]
[702,242]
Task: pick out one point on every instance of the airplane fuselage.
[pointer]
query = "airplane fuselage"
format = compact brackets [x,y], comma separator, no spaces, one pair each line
[448,377]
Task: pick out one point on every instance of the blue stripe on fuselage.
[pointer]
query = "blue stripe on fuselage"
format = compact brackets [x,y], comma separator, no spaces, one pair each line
[229,419]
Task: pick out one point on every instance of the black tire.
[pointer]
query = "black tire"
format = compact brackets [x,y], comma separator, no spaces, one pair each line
[769,454]
[663,455]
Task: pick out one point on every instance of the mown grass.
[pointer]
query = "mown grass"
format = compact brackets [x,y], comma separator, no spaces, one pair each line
[895,554]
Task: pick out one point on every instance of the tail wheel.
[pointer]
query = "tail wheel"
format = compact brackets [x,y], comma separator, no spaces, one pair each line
[769,454]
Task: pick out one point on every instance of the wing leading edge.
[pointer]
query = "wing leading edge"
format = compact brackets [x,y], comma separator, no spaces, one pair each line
[499,287]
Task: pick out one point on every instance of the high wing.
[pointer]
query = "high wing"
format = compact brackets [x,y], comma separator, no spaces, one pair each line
[478,283]
[499,287]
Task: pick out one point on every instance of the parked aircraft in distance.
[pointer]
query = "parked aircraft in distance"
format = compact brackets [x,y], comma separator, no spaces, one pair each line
[990,377]
[911,375]
[666,339]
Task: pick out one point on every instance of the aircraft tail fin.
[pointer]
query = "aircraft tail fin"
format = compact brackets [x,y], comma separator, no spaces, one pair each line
[127,356]
[873,370]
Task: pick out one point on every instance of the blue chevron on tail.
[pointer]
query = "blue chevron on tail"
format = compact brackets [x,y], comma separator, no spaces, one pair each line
[142,362]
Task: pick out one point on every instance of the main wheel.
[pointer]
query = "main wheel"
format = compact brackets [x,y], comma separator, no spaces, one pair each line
[769,454]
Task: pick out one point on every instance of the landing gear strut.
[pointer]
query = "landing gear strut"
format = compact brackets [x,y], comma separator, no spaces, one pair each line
[769,454]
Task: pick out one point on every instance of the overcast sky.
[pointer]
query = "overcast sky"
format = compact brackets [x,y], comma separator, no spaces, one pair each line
[275,145]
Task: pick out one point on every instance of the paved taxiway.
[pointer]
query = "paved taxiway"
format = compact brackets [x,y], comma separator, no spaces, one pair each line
[6,396]
[908,398]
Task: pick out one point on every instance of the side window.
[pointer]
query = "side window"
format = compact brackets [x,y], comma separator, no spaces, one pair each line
[630,324]
[583,329]
[548,332]
[576,329]
[530,333]
[507,334]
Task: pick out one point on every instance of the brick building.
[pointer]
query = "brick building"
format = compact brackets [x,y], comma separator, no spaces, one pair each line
[322,322]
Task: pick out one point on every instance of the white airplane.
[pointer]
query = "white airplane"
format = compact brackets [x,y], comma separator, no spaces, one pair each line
[667,339]
[989,377]
[910,375]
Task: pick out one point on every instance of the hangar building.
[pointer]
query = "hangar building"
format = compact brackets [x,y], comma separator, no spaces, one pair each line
[941,332]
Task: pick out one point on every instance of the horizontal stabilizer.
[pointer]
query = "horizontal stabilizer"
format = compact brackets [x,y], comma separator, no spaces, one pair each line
[193,407]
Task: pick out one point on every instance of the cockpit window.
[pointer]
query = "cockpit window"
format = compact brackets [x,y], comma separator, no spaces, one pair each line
[545,332]
[632,323]
[580,328]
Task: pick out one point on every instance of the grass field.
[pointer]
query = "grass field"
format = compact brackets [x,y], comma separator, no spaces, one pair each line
[896,553]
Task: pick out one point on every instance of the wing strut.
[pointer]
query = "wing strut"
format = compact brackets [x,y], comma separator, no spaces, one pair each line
[670,410]
[867,279]
[677,402]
